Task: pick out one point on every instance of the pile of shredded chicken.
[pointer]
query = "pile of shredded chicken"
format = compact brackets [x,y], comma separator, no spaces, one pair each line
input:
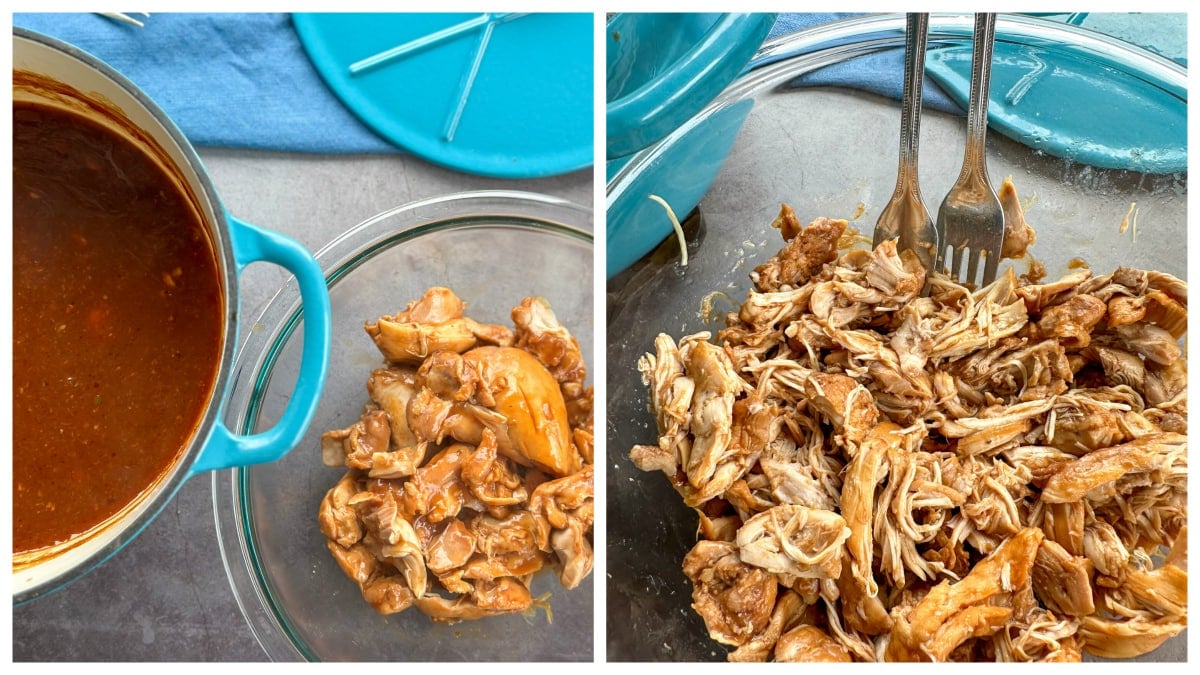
[973,475]
[471,467]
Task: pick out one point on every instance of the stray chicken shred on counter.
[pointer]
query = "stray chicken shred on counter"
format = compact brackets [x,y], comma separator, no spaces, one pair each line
[471,467]
[977,475]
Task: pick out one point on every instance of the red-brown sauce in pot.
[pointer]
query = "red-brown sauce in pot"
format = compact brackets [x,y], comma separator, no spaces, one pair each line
[117,323]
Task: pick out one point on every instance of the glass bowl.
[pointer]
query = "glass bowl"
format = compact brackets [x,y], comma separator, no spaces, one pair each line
[493,249]
[827,152]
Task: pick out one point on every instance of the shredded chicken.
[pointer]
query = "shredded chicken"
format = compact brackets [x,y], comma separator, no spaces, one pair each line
[470,469]
[974,474]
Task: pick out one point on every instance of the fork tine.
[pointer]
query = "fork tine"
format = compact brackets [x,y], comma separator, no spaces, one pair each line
[990,266]
[972,265]
[956,260]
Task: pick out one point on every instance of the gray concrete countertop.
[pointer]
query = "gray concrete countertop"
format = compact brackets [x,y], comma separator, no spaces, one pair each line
[165,597]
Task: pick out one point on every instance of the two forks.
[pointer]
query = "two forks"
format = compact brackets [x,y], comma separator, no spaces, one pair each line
[970,221]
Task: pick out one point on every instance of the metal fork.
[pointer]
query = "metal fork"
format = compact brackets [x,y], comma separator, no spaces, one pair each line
[905,216]
[970,218]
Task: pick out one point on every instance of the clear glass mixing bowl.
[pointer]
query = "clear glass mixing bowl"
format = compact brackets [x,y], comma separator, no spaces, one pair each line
[827,152]
[492,249]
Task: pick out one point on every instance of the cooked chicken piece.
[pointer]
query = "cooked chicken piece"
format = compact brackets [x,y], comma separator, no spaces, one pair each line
[388,594]
[719,528]
[1105,550]
[575,556]
[1126,638]
[450,548]
[429,325]
[748,500]
[991,313]
[1124,310]
[671,392]
[585,443]
[994,503]
[863,475]
[1043,295]
[391,537]
[1153,343]
[1160,592]
[493,479]
[355,445]
[1063,523]
[564,502]
[1072,321]
[724,438]
[436,490]
[1063,581]
[802,257]
[355,560]
[844,403]
[1018,235]
[503,389]
[1042,461]
[760,322]
[451,610]
[795,483]
[952,613]
[787,223]
[1164,384]
[1167,313]
[391,389]
[789,610]
[1042,637]
[655,458]
[1121,367]
[539,332]
[564,511]
[734,599]
[400,463]
[711,420]
[337,517]
[794,540]
[899,277]
[912,510]
[1074,480]
[502,596]
[505,546]
[864,613]
[809,644]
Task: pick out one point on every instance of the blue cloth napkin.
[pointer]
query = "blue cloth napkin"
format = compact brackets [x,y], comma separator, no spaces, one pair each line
[230,80]
[880,73]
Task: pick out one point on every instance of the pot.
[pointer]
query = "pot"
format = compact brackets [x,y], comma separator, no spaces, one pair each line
[52,73]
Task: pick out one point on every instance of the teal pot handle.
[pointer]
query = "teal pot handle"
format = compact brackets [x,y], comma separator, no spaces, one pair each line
[225,449]
[674,92]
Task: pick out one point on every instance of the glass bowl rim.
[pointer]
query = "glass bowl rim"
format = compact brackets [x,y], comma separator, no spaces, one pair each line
[842,40]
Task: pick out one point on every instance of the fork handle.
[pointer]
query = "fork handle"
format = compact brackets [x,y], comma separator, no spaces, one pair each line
[915,36]
[981,60]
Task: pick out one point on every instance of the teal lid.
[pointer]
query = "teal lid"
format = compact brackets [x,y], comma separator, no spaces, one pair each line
[1070,99]
[504,95]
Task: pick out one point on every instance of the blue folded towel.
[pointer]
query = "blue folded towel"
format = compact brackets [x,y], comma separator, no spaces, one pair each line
[231,80]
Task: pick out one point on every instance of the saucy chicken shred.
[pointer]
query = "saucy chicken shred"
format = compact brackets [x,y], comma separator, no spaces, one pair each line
[470,469]
[991,474]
